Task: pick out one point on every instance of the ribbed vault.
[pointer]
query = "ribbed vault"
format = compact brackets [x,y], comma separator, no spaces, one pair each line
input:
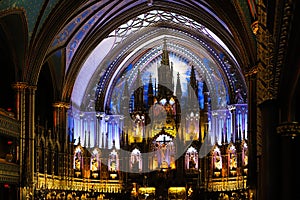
[134,41]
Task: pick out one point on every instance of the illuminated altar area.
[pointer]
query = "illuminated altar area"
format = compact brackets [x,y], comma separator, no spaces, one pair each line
[149,99]
[165,117]
[167,124]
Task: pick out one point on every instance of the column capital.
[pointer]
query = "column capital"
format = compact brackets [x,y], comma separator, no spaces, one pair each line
[32,87]
[254,27]
[61,105]
[19,85]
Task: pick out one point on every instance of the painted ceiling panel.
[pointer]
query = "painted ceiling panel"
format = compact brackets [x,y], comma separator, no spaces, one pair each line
[51,4]
[32,9]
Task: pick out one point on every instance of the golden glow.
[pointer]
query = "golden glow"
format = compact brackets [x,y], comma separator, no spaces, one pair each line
[113,176]
[146,190]
[176,189]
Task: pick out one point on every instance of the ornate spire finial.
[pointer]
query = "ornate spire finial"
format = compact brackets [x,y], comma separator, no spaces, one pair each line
[178,87]
[165,54]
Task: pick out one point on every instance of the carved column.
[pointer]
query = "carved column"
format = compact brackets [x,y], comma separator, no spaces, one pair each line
[268,142]
[271,151]
[31,132]
[232,110]
[252,131]
[20,88]
[60,124]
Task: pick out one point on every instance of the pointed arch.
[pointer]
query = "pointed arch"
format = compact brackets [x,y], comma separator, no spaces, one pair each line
[136,161]
[217,161]
[232,159]
[50,157]
[95,162]
[78,161]
[41,156]
[113,161]
[191,158]
[56,159]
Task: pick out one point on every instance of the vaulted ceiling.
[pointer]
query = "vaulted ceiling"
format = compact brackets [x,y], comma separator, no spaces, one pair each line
[89,44]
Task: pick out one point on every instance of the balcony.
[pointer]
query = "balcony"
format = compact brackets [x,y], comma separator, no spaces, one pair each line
[9,126]
[9,172]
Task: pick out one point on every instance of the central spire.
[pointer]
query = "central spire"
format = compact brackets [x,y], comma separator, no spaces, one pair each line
[165,74]
[165,54]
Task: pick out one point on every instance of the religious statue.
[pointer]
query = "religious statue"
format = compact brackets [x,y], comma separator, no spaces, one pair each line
[245,160]
[94,164]
[135,164]
[233,164]
[218,162]
[77,164]
[192,163]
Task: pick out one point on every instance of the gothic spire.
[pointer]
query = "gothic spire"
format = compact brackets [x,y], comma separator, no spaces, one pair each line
[139,81]
[139,93]
[178,87]
[193,89]
[165,54]
[126,92]
[155,87]
[150,92]
[125,98]
[165,75]
[193,81]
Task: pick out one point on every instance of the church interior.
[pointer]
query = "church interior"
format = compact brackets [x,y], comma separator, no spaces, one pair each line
[149,99]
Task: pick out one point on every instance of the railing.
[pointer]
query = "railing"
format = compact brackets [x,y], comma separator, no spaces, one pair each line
[227,184]
[9,126]
[78,184]
[9,172]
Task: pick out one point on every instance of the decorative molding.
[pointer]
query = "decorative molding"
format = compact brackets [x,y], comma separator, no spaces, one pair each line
[9,173]
[32,87]
[254,27]
[284,19]
[252,71]
[271,51]
[9,126]
[19,85]
[61,105]
[290,129]
[236,183]
[265,55]
[78,184]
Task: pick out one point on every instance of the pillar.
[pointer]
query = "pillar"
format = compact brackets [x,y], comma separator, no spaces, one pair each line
[232,110]
[60,130]
[270,178]
[20,88]
[31,132]
[251,80]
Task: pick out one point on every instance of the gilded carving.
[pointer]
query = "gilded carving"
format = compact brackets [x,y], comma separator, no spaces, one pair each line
[61,105]
[19,85]
[291,129]
[9,126]
[270,52]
